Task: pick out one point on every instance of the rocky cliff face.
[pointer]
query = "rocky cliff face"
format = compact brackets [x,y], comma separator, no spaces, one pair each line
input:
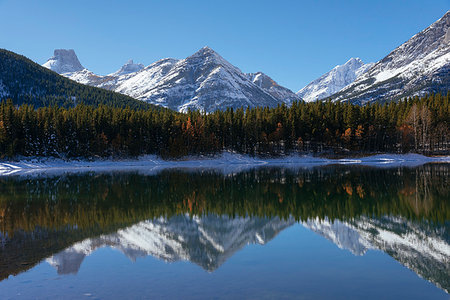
[64,61]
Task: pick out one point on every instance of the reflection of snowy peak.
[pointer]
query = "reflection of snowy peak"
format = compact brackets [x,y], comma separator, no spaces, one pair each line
[341,234]
[335,80]
[207,241]
[202,81]
[416,245]
[420,65]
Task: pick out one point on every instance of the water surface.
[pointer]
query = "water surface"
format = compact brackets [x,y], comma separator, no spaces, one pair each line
[340,232]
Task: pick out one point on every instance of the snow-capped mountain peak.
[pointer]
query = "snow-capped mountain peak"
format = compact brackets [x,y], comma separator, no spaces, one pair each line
[419,66]
[203,81]
[129,67]
[64,61]
[334,80]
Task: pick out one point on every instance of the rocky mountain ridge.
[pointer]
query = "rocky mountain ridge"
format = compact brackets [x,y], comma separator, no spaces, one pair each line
[203,81]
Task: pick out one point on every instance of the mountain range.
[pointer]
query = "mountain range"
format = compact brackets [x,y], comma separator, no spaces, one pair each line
[417,67]
[203,81]
[206,81]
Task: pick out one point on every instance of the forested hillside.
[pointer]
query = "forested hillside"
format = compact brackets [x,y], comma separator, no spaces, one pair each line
[416,125]
[24,81]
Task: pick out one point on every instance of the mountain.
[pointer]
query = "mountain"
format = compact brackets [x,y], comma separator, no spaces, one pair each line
[333,81]
[24,81]
[202,81]
[129,67]
[419,66]
[64,61]
[266,83]
[207,241]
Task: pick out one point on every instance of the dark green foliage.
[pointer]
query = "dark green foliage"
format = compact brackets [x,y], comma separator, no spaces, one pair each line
[27,82]
[412,125]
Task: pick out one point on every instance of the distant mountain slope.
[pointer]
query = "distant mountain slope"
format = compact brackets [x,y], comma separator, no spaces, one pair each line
[24,81]
[419,66]
[334,80]
[202,81]
[277,91]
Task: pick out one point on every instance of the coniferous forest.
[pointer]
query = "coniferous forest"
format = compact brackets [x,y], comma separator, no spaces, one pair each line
[411,125]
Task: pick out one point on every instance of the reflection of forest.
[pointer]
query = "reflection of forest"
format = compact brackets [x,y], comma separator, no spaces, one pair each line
[50,214]
[103,200]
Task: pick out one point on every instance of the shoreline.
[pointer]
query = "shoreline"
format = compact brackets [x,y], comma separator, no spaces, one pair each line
[226,162]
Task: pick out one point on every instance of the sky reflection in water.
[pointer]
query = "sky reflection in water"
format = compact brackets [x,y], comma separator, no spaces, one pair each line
[264,233]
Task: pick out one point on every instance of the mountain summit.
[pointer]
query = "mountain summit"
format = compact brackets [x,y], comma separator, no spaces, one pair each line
[419,66]
[335,80]
[129,67]
[203,81]
[64,61]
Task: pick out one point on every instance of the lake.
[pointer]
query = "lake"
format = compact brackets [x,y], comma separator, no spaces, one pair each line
[326,232]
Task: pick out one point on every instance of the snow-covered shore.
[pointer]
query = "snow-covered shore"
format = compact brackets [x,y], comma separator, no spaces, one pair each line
[228,161]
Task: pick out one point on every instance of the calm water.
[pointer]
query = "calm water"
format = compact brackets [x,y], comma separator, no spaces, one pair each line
[335,232]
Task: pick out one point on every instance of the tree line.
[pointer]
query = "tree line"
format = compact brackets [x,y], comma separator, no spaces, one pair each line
[25,81]
[411,125]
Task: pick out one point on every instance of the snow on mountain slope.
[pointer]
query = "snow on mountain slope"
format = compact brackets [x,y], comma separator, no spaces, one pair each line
[203,81]
[335,80]
[207,241]
[64,61]
[419,66]
[129,67]
[271,87]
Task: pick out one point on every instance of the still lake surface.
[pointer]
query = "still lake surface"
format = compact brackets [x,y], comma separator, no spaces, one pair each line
[332,232]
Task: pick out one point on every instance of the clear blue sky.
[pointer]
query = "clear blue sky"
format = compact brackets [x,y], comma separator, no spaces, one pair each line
[294,42]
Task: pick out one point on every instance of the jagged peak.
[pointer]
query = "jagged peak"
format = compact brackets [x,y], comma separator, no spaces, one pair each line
[128,67]
[349,63]
[205,52]
[261,79]
[64,61]
[353,60]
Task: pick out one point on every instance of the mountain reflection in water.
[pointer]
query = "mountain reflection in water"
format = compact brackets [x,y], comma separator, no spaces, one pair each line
[205,217]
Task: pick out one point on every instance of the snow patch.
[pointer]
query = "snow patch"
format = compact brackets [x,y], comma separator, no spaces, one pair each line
[227,162]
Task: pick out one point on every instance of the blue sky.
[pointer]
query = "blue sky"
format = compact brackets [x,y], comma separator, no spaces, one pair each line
[294,42]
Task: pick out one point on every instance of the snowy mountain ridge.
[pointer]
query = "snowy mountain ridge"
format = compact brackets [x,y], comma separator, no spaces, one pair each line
[271,87]
[419,66]
[334,80]
[203,81]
